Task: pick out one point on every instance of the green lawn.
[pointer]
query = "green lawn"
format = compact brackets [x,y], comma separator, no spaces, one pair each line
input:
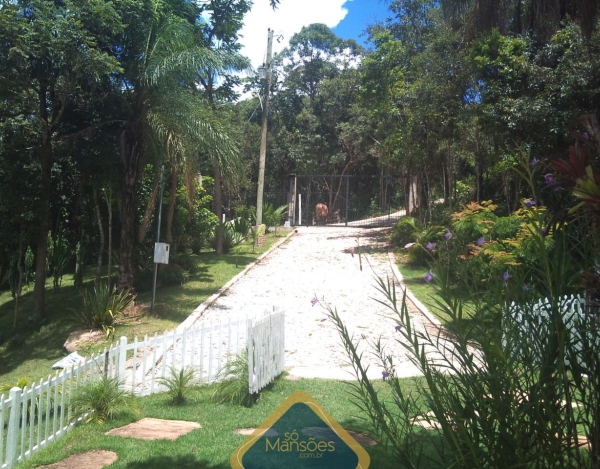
[211,446]
[36,349]
[413,278]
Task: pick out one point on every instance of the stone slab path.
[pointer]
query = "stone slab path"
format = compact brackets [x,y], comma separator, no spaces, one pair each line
[318,261]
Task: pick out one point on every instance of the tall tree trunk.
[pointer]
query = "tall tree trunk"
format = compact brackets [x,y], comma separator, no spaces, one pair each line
[80,248]
[450,178]
[79,261]
[218,210]
[19,278]
[39,289]
[127,207]
[101,231]
[151,205]
[132,154]
[108,196]
[172,199]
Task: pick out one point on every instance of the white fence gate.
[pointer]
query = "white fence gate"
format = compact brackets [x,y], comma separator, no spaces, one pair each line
[33,417]
[266,349]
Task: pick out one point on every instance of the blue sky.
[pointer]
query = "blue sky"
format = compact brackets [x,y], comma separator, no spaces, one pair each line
[347,18]
[360,14]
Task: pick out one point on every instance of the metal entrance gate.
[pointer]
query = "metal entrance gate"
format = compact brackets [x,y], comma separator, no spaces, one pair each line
[355,201]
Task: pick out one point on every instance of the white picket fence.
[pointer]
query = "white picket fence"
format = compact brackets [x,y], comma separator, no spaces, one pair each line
[266,350]
[35,416]
[581,327]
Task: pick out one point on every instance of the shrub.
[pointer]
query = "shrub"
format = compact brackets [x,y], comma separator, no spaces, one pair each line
[172,274]
[178,383]
[201,223]
[474,220]
[100,400]
[102,306]
[424,250]
[241,226]
[187,261]
[404,232]
[231,238]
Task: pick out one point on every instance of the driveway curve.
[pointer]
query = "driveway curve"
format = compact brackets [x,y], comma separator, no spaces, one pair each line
[318,261]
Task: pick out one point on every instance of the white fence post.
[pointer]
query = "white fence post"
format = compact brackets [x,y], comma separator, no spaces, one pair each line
[122,360]
[14,419]
[250,351]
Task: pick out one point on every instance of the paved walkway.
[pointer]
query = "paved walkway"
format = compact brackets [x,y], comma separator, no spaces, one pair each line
[318,261]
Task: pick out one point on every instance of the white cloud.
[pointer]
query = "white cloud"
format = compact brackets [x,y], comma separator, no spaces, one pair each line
[286,20]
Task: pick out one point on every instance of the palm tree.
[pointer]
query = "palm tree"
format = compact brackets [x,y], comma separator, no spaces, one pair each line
[160,57]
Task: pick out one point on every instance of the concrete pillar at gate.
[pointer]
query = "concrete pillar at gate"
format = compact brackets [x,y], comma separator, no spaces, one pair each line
[412,194]
[292,201]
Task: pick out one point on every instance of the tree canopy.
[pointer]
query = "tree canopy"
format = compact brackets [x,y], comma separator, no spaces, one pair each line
[96,96]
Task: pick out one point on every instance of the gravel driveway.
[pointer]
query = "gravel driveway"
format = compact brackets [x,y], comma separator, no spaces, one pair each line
[318,261]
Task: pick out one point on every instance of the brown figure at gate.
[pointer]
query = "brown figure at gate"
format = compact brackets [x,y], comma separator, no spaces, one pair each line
[321,214]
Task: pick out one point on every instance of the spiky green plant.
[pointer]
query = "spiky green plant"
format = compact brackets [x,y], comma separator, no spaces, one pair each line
[101,308]
[233,386]
[178,383]
[97,401]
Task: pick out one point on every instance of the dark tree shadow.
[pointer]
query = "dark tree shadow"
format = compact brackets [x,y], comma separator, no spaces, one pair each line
[174,462]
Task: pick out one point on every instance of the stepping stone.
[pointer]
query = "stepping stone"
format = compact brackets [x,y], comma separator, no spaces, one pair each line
[428,425]
[89,460]
[155,429]
[249,431]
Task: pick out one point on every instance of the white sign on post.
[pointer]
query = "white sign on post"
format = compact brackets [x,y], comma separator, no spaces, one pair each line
[161,253]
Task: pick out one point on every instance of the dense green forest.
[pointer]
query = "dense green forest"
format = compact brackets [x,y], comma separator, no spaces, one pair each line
[98,97]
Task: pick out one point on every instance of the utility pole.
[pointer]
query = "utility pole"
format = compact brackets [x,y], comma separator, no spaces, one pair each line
[263,135]
[160,199]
